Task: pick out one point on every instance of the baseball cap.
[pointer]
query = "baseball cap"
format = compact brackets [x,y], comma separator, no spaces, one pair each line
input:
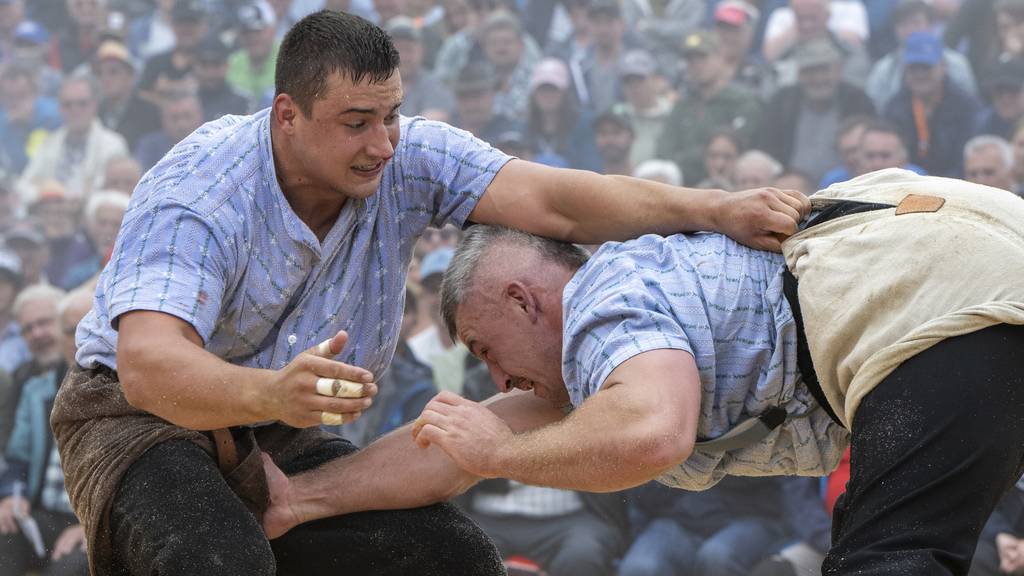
[476,76]
[636,63]
[436,262]
[10,265]
[616,116]
[550,71]
[922,48]
[256,16]
[114,50]
[24,231]
[188,10]
[1007,73]
[735,13]
[513,136]
[815,53]
[700,42]
[31,32]
[403,27]
[48,191]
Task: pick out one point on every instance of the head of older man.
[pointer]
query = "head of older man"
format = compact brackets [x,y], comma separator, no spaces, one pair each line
[35,310]
[502,296]
[988,160]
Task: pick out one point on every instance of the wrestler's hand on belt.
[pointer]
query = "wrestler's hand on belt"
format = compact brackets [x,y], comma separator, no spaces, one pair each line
[763,217]
[316,389]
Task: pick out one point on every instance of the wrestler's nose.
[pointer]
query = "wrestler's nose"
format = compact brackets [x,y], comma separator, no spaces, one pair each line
[502,380]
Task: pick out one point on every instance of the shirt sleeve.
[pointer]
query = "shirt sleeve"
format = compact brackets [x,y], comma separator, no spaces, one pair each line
[170,259]
[445,170]
[613,317]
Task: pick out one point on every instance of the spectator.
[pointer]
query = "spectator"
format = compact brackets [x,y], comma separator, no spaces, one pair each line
[713,102]
[724,147]
[755,169]
[26,117]
[103,215]
[988,160]
[555,123]
[122,174]
[13,351]
[851,131]
[663,25]
[602,86]
[75,155]
[121,108]
[179,117]
[434,346]
[735,22]
[462,17]
[882,146]
[613,137]
[425,94]
[647,111]
[1001,546]
[725,530]
[1005,88]
[796,180]
[574,46]
[801,122]
[664,171]
[933,116]
[56,214]
[34,483]
[886,76]
[251,68]
[152,33]
[189,23]
[216,96]
[26,239]
[1018,158]
[975,24]
[841,22]
[32,46]
[1010,27]
[79,39]
[35,310]
[503,43]
[474,103]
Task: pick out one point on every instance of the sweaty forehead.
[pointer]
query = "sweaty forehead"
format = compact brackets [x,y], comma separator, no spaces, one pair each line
[342,94]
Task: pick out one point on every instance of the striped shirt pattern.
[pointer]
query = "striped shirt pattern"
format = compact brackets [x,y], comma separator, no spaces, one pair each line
[53,496]
[209,238]
[722,303]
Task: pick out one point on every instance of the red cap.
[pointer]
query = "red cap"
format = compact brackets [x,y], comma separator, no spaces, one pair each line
[732,13]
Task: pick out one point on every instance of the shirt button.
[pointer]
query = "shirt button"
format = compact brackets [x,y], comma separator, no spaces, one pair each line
[292,339]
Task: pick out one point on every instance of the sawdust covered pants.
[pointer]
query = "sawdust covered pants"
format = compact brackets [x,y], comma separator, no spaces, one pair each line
[933,447]
[174,515]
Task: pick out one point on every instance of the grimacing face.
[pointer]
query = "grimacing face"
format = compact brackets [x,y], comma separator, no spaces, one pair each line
[518,353]
[350,134]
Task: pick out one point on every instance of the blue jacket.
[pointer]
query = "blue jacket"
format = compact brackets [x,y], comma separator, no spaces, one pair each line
[28,450]
[950,126]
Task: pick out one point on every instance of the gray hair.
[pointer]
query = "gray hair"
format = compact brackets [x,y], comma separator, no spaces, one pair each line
[984,141]
[475,244]
[753,156]
[35,293]
[103,198]
[660,171]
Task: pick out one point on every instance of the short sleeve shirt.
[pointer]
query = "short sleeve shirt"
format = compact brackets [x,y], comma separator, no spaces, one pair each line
[723,304]
[210,238]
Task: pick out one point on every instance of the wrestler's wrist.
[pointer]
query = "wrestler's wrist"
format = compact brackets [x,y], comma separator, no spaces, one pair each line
[717,212]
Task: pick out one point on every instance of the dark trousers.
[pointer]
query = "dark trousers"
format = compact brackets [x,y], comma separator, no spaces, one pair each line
[17,555]
[933,448]
[174,515]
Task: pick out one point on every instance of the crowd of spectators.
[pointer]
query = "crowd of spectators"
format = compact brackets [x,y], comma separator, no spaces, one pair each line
[726,94]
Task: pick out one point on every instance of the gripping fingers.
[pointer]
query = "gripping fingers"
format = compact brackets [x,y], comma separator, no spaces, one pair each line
[331,419]
[338,388]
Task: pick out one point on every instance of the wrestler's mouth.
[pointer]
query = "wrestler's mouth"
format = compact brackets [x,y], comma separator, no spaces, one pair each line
[369,170]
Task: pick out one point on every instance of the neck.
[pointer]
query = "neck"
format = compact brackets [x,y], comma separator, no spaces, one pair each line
[709,89]
[606,52]
[315,204]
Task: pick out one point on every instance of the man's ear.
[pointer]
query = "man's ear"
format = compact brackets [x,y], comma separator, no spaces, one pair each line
[524,299]
[285,111]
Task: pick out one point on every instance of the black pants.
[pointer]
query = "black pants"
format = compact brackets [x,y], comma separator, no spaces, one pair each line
[174,515]
[17,555]
[933,448]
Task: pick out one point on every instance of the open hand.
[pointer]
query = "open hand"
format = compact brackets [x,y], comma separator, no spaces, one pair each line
[11,509]
[71,539]
[280,517]
[763,217]
[471,434]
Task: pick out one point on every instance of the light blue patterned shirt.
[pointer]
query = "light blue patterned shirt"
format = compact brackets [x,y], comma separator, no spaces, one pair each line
[210,238]
[722,303]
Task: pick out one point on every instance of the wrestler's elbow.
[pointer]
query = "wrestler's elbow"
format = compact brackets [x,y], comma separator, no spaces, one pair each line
[665,445]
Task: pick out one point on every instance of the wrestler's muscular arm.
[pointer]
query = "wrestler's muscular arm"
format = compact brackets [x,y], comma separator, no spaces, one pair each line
[391,473]
[165,371]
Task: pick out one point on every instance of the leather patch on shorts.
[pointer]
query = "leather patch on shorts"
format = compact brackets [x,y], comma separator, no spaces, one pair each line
[916,203]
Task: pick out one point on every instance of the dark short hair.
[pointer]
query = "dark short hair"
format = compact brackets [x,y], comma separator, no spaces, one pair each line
[904,9]
[327,42]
